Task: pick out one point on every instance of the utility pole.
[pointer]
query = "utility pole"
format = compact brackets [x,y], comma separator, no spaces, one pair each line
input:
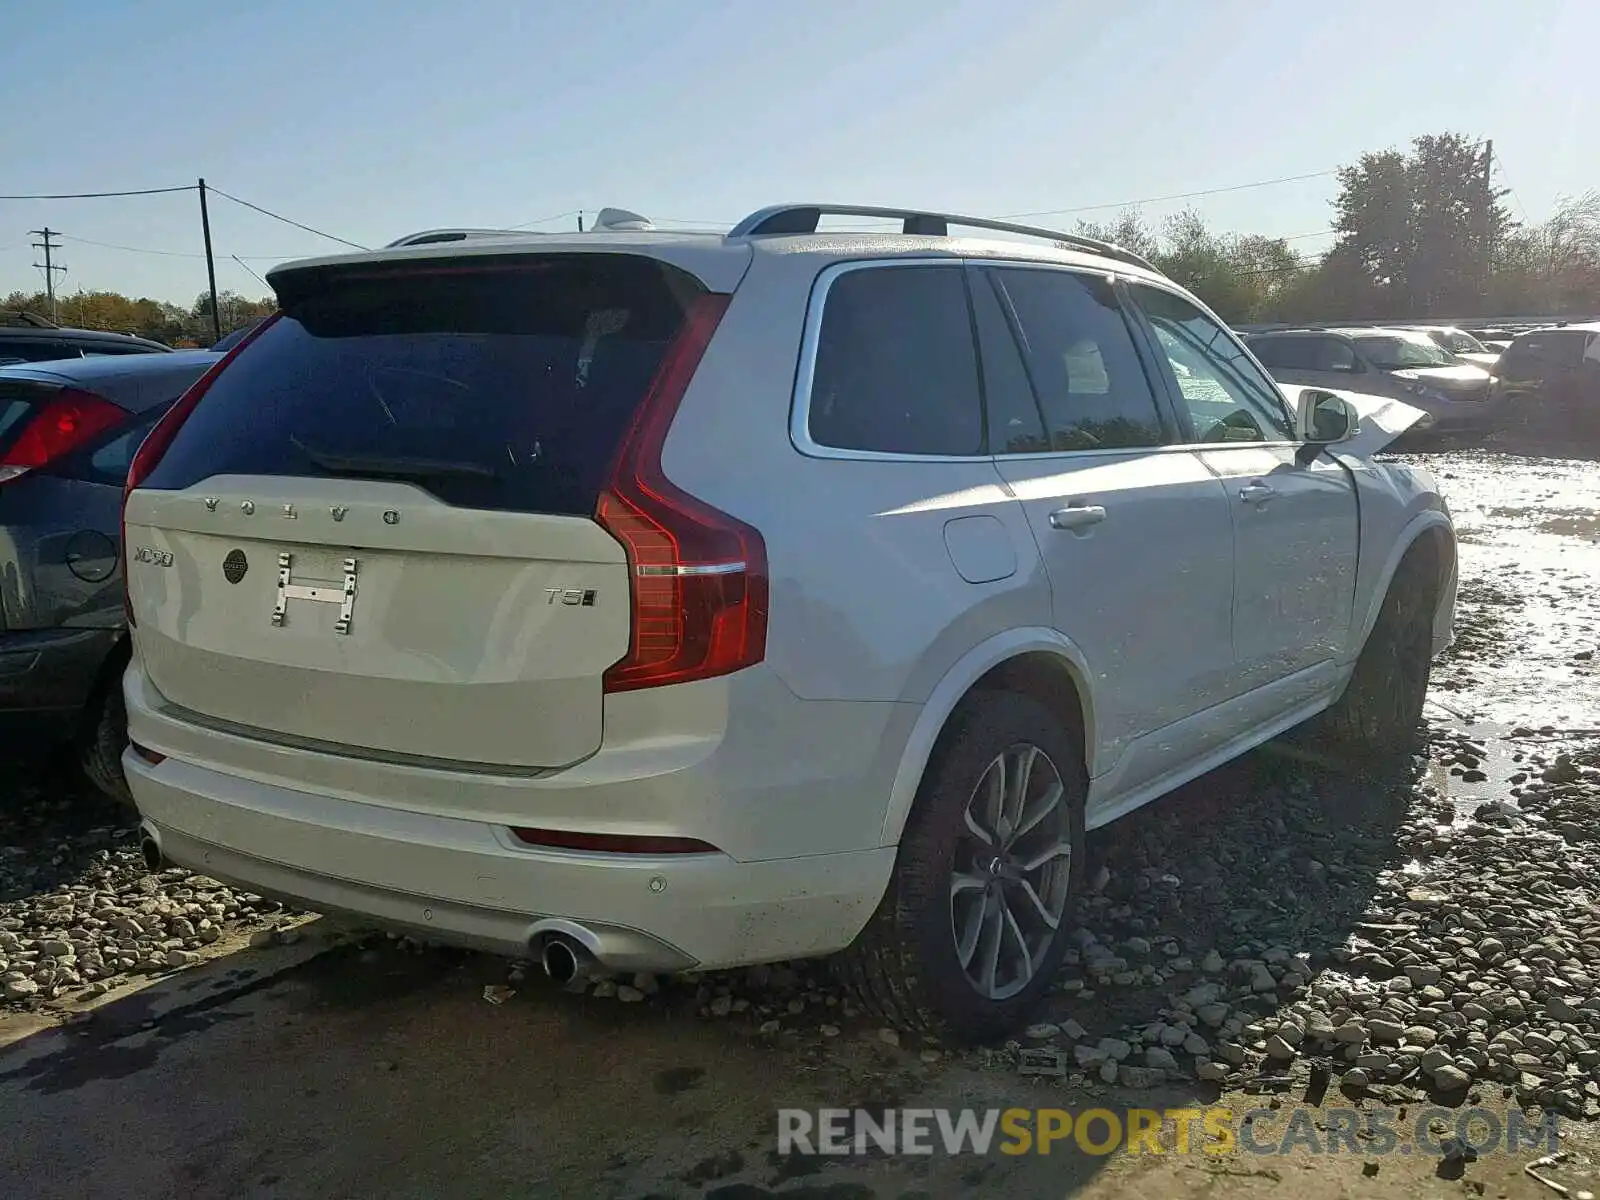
[580,220]
[1486,230]
[49,266]
[211,264]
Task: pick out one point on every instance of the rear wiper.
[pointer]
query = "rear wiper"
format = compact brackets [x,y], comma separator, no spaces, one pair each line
[394,466]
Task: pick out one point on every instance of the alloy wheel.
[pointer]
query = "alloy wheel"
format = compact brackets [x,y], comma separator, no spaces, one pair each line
[1013,865]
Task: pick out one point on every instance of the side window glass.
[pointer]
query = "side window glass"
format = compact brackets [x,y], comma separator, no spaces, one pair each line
[1227,398]
[1091,387]
[895,367]
[1291,353]
[1015,425]
[1336,355]
[20,351]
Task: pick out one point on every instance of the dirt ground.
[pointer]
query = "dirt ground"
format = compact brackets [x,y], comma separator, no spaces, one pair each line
[341,1066]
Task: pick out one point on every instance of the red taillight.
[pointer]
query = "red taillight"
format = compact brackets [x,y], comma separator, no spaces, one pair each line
[68,420]
[697,577]
[612,843]
[160,437]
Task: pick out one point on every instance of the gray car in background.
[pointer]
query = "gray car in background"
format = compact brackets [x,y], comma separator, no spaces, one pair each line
[1403,364]
[68,431]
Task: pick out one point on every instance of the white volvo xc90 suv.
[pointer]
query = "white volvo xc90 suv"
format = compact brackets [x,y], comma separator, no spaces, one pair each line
[660,601]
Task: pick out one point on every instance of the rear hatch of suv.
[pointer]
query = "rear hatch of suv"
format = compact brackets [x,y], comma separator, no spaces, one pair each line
[376,531]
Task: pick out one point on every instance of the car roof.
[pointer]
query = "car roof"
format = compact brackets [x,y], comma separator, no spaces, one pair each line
[132,380]
[1577,326]
[64,334]
[720,260]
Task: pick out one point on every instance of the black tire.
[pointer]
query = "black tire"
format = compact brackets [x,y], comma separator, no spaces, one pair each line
[904,966]
[1377,722]
[105,738]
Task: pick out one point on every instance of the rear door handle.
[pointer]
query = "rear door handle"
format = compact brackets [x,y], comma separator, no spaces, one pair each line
[1257,493]
[1077,516]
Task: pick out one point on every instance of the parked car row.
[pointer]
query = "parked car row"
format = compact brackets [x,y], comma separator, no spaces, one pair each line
[1409,364]
[1470,382]
[28,338]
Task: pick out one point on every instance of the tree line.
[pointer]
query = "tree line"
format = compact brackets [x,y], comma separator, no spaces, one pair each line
[161,320]
[1418,233]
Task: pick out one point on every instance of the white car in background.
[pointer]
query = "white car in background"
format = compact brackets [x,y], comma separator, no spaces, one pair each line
[654,601]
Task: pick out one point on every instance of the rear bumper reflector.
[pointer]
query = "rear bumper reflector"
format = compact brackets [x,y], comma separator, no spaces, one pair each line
[149,756]
[611,843]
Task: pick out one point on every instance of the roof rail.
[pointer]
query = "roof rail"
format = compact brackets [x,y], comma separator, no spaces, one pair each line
[429,237]
[804,218]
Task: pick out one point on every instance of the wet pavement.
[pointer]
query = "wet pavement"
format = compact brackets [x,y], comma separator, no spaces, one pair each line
[1524,672]
[1253,911]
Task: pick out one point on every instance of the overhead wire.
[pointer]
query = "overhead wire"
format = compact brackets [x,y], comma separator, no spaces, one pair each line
[188,187]
[68,237]
[267,212]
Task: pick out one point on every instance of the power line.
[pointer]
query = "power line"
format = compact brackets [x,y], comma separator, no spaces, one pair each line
[173,253]
[101,195]
[1500,165]
[1238,187]
[571,212]
[267,212]
[247,267]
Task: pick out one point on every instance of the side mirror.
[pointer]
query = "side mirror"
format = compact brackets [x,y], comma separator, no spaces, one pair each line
[1323,418]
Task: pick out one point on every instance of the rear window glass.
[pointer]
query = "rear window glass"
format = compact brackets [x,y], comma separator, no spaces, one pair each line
[503,386]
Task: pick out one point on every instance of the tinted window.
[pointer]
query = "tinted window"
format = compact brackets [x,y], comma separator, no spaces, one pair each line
[1080,356]
[504,387]
[1336,354]
[895,368]
[1227,397]
[1294,353]
[17,350]
[1015,424]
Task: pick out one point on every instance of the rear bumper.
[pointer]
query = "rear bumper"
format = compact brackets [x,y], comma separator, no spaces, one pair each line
[732,762]
[48,675]
[465,882]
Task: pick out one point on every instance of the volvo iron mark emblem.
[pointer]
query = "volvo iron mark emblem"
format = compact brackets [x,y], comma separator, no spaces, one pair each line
[343,594]
[234,566]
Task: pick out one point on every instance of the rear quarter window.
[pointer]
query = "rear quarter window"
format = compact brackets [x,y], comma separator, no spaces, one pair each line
[895,370]
[518,379]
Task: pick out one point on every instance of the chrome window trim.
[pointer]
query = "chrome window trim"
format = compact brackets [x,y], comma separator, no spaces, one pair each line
[800,401]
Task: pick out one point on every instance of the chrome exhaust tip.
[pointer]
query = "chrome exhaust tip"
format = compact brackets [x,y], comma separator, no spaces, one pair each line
[150,850]
[564,960]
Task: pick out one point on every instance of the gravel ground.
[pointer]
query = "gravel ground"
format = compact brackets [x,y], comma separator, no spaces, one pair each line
[1270,926]
[79,914]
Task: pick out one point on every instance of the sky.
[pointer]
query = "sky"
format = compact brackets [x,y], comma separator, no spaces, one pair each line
[370,120]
